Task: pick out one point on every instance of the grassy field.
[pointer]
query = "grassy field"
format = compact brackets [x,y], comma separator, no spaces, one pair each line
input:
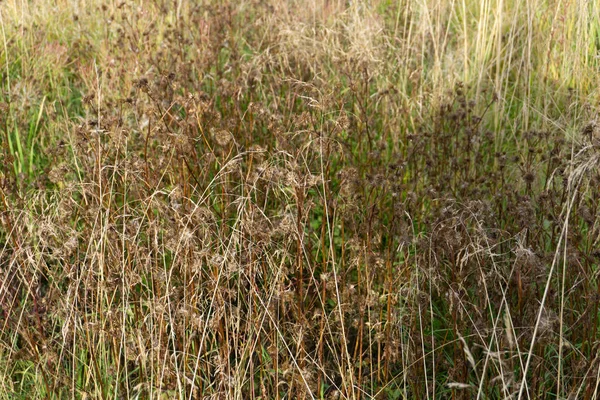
[310,199]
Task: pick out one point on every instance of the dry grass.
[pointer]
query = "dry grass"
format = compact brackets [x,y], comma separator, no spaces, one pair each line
[318,199]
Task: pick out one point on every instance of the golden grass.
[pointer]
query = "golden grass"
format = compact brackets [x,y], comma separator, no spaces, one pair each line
[311,199]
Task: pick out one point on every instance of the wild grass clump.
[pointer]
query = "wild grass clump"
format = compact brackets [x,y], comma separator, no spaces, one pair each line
[271,200]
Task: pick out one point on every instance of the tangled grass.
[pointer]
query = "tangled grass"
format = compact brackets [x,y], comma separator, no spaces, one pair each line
[317,200]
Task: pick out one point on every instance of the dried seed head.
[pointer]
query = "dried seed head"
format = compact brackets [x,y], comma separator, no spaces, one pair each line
[223,137]
[529,177]
[142,84]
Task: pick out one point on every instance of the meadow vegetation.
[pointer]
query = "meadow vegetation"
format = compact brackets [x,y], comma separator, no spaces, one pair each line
[320,199]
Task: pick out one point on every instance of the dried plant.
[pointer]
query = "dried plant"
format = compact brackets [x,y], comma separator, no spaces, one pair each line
[266,199]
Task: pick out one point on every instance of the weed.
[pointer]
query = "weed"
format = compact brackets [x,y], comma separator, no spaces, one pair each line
[269,200]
